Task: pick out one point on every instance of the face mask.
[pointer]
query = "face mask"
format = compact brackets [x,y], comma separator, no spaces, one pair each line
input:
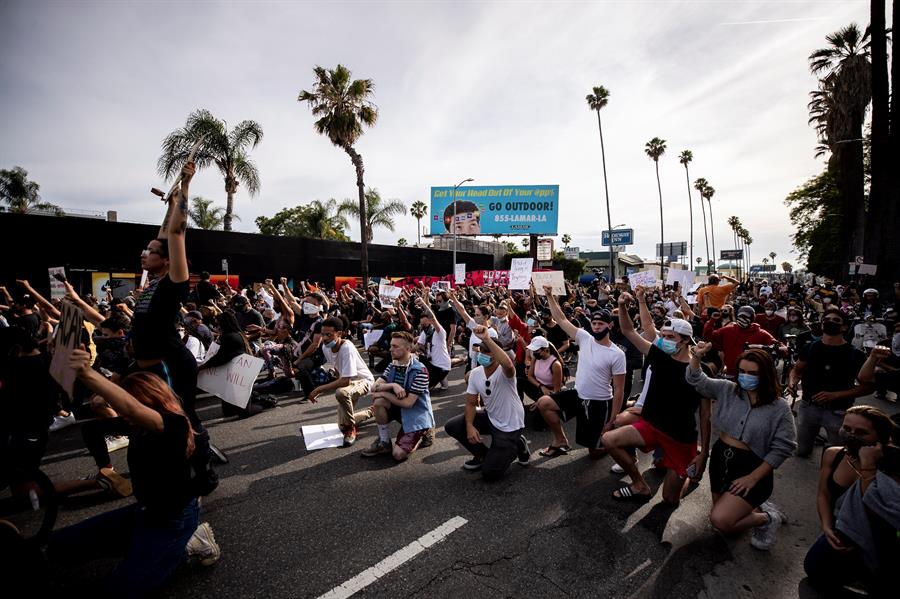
[743,322]
[483,359]
[748,381]
[310,309]
[852,442]
[895,344]
[831,328]
[443,305]
[666,345]
[601,335]
[331,344]
[826,300]
[530,322]
[770,313]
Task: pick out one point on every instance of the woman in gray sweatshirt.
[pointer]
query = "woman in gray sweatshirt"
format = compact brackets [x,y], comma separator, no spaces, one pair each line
[756,434]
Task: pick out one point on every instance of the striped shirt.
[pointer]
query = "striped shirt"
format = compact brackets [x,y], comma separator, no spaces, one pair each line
[418,386]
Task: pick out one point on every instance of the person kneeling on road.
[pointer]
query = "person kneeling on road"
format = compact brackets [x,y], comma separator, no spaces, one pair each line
[401,394]
[503,417]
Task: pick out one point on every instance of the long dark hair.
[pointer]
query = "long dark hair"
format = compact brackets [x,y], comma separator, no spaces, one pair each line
[229,324]
[151,391]
[768,389]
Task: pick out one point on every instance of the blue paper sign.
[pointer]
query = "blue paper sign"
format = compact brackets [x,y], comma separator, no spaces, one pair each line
[495,210]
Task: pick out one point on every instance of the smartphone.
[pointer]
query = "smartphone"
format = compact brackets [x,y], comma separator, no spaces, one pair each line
[59,277]
[691,471]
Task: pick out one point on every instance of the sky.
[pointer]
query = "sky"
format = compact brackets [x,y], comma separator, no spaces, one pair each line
[494,91]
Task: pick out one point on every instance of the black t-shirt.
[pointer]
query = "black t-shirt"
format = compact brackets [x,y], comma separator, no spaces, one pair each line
[160,471]
[27,395]
[671,403]
[830,368]
[556,335]
[206,291]
[29,322]
[249,317]
[305,328]
[153,334]
[446,318]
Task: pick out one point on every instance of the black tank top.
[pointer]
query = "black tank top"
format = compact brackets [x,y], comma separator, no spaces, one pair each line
[835,488]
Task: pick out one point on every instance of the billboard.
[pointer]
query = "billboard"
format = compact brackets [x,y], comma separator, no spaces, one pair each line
[731,254]
[620,237]
[495,210]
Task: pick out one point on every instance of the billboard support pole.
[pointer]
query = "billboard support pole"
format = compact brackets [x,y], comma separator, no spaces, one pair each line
[532,250]
[453,224]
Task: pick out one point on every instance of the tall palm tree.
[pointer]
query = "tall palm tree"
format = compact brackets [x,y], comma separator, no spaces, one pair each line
[343,107]
[378,212]
[206,216]
[655,148]
[566,240]
[228,150]
[402,243]
[700,185]
[22,196]
[735,224]
[839,110]
[685,159]
[418,210]
[597,101]
[708,193]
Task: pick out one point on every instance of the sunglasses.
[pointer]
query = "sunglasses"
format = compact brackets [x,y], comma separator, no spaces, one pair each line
[487,387]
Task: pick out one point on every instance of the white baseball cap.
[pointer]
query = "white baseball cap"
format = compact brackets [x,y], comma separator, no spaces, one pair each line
[538,343]
[682,327]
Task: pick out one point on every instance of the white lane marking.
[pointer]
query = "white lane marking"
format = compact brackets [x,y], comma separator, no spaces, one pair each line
[395,560]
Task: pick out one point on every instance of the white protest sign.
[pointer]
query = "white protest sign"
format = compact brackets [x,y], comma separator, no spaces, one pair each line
[232,382]
[321,436]
[57,289]
[550,277]
[520,273]
[459,274]
[684,278]
[644,278]
[372,337]
[144,276]
[68,336]
[387,293]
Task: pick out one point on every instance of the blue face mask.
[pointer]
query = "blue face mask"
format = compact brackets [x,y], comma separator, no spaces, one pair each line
[331,344]
[748,381]
[667,345]
[483,359]
[530,322]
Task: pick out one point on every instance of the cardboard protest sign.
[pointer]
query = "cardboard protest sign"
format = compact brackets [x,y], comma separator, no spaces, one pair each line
[549,277]
[57,289]
[232,382]
[68,336]
[372,337]
[644,278]
[520,273]
[459,274]
[684,278]
[388,294]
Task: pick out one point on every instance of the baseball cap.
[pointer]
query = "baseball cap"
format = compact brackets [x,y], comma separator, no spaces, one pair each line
[604,315]
[746,311]
[682,327]
[538,343]
[195,314]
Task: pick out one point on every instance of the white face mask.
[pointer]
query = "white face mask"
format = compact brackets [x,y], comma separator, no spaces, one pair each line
[310,309]
[770,312]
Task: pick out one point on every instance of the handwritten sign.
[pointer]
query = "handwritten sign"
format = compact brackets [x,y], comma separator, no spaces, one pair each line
[549,277]
[372,337]
[232,382]
[684,278]
[644,278]
[520,273]
[68,336]
[459,274]
[387,293]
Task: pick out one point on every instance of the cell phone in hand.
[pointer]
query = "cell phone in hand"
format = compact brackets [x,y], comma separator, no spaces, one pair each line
[59,277]
[691,470]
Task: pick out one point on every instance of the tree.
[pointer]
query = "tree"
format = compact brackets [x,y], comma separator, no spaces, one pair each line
[814,210]
[787,267]
[655,148]
[228,150]
[735,224]
[206,216]
[566,240]
[596,102]
[511,247]
[685,159]
[700,185]
[22,196]
[708,193]
[772,256]
[418,210]
[378,212]
[526,242]
[317,220]
[402,242]
[343,107]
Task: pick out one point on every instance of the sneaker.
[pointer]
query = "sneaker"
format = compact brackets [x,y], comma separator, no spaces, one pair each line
[349,436]
[61,422]
[111,481]
[202,545]
[445,384]
[116,443]
[616,469]
[524,453]
[763,537]
[378,447]
[473,464]
[428,439]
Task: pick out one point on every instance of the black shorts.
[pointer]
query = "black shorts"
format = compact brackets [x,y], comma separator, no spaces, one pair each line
[728,463]
[590,416]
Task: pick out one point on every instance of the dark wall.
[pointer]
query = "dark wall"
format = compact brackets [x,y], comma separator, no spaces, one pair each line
[29,244]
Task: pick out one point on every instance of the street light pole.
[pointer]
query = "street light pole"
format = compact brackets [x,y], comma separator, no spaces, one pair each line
[453,224]
[612,262]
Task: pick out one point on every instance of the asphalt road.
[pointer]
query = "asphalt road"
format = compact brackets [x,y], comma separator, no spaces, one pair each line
[293,523]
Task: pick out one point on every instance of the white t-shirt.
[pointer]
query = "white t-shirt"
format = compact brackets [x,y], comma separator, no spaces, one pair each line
[437,352]
[766,290]
[348,363]
[504,408]
[597,364]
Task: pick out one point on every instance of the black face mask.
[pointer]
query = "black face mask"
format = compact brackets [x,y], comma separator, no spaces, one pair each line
[601,335]
[831,328]
[852,442]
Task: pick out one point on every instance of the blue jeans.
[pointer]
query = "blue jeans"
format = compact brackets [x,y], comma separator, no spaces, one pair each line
[153,545]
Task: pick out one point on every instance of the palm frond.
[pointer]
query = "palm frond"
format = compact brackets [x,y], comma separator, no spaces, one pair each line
[246,172]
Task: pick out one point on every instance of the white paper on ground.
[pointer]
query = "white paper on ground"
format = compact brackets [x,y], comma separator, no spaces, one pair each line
[321,436]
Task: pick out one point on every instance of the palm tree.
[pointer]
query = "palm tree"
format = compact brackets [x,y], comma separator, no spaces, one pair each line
[566,240]
[700,185]
[378,213]
[735,224]
[21,195]
[228,150]
[596,101]
[655,148]
[323,220]
[402,242]
[418,210]
[787,267]
[526,242]
[206,216]
[772,256]
[343,107]
[708,193]
[685,158]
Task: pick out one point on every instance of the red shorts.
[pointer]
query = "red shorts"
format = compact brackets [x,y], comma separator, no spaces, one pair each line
[676,455]
[409,441]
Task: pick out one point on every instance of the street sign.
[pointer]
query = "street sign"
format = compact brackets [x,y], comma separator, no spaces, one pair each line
[544,249]
[225,264]
[619,237]
[731,254]
[677,248]
[571,253]
[618,248]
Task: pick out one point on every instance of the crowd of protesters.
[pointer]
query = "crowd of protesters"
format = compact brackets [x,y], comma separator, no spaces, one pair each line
[727,360]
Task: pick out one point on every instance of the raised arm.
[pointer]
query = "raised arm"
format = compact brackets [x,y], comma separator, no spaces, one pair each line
[627,326]
[286,312]
[50,308]
[502,358]
[460,309]
[648,329]
[178,266]
[557,313]
[92,315]
[426,308]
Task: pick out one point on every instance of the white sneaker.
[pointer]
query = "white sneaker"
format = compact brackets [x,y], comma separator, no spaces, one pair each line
[116,443]
[202,545]
[616,469]
[61,422]
[763,537]
[445,384]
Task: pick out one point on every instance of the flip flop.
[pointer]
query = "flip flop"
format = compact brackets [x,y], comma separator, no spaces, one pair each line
[626,494]
[554,451]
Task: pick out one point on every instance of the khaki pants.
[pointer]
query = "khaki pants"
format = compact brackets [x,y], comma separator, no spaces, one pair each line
[346,400]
